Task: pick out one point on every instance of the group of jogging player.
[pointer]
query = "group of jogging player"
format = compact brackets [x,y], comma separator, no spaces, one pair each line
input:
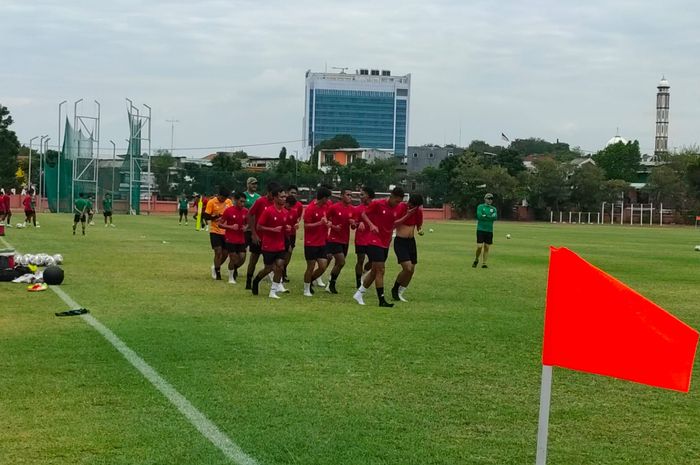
[266,225]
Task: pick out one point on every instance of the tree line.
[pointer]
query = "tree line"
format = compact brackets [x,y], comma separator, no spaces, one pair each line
[544,175]
[560,178]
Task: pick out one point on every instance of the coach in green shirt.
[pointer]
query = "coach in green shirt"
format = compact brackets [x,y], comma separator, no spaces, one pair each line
[80,207]
[486,214]
[251,194]
[107,209]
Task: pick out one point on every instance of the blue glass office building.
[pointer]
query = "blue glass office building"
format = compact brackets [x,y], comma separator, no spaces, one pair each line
[370,105]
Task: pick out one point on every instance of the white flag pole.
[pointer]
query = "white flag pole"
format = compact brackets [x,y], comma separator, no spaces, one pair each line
[543,424]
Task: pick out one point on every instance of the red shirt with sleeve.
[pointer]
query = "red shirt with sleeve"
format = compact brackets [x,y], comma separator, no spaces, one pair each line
[271,217]
[340,214]
[27,202]
[382,215]
[293,216]
[235,215]
[414,219]
[258,208]
[361,235]
[315,236]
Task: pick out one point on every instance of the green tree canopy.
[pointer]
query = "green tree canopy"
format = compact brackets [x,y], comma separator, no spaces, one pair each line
[9,148]
[586,187]
[378,174]
[226,163]
[666,186]
[620,161]
[548,184]
[471,181]
[161,162]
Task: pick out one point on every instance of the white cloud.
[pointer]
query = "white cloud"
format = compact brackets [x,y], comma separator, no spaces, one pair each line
[233,72]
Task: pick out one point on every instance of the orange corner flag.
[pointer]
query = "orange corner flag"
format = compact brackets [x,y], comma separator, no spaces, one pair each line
[596,324]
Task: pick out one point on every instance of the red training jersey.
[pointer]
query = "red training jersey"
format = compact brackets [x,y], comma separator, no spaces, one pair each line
[414,219]
[340,214]
[382,215]
[294,214]
[361,235]
[6,200]
[235,215]
[315,236]
[259,206]
[272,218]
[27,202]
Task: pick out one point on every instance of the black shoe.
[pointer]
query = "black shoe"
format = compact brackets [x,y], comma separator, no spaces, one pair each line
[218,276]
[476,262]
[484,266]
[247,283]
[254,287]
[384,303]
[235,273]
[285,279]
[331,287]
[311,288]
[395,294]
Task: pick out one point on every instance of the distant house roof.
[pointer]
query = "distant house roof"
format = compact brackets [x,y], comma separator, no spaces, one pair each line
[578,162]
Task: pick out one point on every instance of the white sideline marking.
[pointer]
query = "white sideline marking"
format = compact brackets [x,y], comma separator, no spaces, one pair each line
[205,426]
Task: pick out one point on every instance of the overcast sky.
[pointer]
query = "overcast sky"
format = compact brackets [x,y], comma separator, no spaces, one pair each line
[232,72]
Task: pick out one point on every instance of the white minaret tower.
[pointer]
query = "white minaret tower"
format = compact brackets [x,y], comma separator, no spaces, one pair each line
[663,97]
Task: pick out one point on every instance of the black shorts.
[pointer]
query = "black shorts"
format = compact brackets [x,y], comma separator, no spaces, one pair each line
[78,217]
[270,257]
[315,252]
[377,254]
[106,214]
[217,240]
[29,213]
[235,248]
[405,249]
[252,247]
[184,212]
[333,248]
[290,242]
[360,249]
[484,237]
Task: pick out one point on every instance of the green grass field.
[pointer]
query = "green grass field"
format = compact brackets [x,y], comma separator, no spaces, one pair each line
[451,377]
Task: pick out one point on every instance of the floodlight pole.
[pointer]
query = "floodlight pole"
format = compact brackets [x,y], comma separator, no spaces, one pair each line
[131,175]
[296,155]
[97,158]
[114,159]
[149,158]
[172,133]
[58,162]
[29,174]
[131,157]
[42,160]
[75,126]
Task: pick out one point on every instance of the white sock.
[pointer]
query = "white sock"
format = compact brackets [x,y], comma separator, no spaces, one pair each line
[362,289]
[401,289]
[307,287]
